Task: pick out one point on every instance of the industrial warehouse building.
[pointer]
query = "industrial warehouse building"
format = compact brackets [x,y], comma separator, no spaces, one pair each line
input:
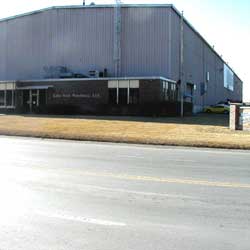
[103,59]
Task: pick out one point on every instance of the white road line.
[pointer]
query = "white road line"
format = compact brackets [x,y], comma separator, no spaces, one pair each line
[131,156]
[82,219]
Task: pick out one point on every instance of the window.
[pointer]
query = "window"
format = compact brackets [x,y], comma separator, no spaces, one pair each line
[203,88]
[134,96]
[134,84]
[169,91]
[123,92]
[123,96]
[173,96]
[112,96]
[228,78]
[173,87]
[208,76]
[112,86]
[165,91]
[134,92]
[2,98]
[7,92]
[9,97]
[189,92]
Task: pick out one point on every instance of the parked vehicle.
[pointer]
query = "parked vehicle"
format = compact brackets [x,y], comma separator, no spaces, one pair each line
[218,109]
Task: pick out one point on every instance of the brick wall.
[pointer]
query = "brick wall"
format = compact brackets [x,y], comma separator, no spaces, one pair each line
[234,117]
[239,117]
[150,91]
[245,118]
[92,97]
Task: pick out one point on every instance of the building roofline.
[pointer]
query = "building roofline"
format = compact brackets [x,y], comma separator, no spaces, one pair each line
[86,7]
[93,79]
[124,6]
[204,40]
[89,79]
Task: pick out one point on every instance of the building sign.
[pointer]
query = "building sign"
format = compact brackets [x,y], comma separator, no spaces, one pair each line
[73,95]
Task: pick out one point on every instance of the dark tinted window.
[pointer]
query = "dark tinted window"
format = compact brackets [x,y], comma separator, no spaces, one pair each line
[134,96]
[2,98]
[112,96]
[123,96]
[9,97]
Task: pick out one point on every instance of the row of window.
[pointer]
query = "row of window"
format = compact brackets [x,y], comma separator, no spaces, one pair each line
[124,92]
[127,91]
[123,96]
[7,98]
[170,92]
[7,95]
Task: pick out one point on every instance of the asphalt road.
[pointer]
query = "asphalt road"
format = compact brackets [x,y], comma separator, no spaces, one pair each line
[96,196]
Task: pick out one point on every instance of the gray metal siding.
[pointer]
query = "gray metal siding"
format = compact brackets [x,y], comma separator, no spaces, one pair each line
[193,61]
[3,49]
[81,39]
[199,59]
[145,41]
[175,46]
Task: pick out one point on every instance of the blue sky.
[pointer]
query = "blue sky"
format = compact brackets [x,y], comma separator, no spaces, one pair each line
[224,23]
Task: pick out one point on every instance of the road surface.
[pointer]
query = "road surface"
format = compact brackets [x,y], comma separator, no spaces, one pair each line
[99,196]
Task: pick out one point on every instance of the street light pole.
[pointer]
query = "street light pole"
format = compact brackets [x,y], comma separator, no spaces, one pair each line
[182,64]
[117,37]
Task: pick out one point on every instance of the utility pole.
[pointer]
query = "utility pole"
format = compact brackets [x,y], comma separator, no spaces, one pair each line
[117,37]
[182,84]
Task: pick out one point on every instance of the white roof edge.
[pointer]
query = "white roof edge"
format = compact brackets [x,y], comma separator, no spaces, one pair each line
[94,79]
[86,7]
[35,87]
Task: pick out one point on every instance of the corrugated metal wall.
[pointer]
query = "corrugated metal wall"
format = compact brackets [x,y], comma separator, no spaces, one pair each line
[146,41]
[82,39]
[199,59]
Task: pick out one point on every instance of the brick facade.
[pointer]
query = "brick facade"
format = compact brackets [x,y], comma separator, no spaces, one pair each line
[92,96]
[245,118]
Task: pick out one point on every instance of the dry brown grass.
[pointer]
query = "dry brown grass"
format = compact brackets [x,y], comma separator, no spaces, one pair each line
[201,131]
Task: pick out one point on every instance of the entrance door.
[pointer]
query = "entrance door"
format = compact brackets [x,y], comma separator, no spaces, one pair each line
[26,100]
[30,100]
[34,99]
[189,92]
[42,97]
